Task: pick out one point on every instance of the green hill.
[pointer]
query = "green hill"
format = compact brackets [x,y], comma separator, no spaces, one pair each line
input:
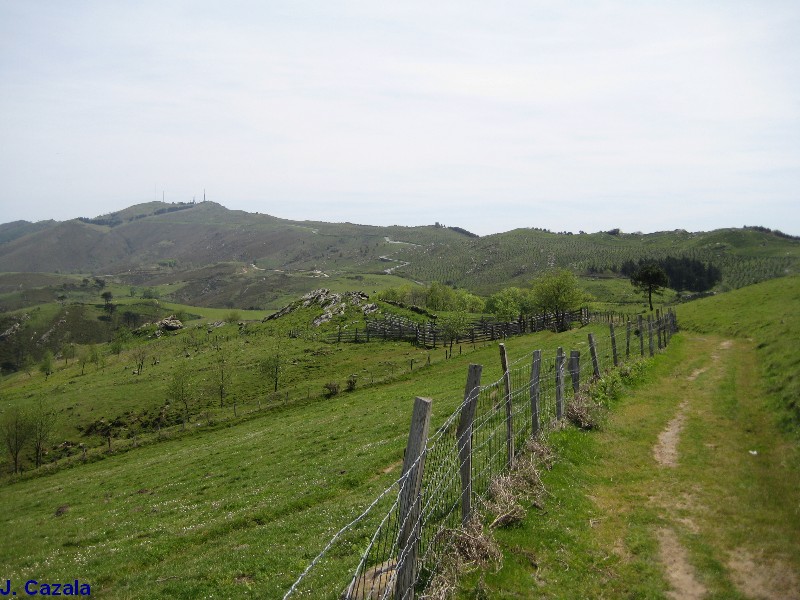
[175,240]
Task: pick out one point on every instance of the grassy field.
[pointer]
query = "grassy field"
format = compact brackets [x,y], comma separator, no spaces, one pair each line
[691,488]
[229,511]
[238,507]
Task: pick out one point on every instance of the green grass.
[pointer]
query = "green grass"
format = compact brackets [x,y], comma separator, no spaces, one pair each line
[734,492]
[239,508]
[228,511]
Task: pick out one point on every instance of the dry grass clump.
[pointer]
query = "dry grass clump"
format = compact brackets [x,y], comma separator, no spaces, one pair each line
[465,549]
[472,546]
[541,452]
[584,412]
[503,501]
[522,483]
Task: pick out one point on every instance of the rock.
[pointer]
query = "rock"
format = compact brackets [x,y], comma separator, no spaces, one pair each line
[171,323]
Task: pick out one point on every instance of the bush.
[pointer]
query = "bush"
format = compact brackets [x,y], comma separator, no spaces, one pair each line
[351,383]
[331,389]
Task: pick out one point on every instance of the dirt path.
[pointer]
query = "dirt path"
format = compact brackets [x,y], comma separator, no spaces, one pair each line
[673,556]
[689,490]
[679,571]
[760,578]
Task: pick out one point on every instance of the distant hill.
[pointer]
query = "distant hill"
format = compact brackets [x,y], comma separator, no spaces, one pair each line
[204,245]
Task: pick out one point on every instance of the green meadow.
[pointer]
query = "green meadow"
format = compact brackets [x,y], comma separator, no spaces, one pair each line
[240,499]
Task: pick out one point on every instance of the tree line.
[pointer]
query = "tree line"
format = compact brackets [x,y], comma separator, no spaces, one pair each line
[683,274]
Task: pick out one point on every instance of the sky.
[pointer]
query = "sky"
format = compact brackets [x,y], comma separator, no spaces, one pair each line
[646,116]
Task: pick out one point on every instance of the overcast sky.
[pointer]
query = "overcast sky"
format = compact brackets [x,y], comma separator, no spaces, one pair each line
[641,115]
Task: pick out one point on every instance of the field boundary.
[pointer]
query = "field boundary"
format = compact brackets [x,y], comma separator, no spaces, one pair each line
[395,547]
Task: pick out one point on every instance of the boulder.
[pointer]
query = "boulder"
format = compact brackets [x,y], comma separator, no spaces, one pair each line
[171,323]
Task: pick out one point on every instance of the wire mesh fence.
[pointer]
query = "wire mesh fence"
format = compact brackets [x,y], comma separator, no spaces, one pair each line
[396,546]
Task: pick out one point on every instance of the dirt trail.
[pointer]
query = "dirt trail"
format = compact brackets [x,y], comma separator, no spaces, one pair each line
[674,557]
[680,573]
[666,449]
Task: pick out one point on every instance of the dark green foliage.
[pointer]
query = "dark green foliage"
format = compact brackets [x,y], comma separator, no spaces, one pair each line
[683,273]
[649,278]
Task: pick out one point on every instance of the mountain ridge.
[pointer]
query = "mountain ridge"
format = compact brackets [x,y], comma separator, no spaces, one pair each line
[179,241]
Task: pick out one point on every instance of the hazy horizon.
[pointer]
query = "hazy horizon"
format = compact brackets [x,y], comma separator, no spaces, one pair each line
[651,117]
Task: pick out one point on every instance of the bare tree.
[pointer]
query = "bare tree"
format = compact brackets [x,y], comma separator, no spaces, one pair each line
[270,369]
[17,431]
[222,377]
[140,354]
[179,390]
[43,422]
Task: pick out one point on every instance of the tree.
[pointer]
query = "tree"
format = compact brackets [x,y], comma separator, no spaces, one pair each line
[506,304]
[83,358]
[140,355]
[107,297]
[439,297]
[270,370]
[222,377]
[454,326]
[17,431]
[651,279]
[179,390]
[42,423]
[557,293]
[46,366]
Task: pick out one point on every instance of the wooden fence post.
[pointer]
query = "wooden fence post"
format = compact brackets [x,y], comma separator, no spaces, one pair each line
[628,338]
[560,383]
[650,334]
[658,328]
[464,438]
[613,344]
[509,406]
[641,334]
[593,352]
[536,369]
[575,370]
[413,466]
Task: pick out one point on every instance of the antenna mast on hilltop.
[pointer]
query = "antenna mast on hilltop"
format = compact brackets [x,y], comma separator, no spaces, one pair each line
[204,194]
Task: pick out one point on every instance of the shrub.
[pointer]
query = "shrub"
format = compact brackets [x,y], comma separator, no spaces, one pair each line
[351,383]
[331,389]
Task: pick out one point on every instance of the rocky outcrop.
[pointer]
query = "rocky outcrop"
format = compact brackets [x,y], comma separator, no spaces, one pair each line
[333,304]
[171,323]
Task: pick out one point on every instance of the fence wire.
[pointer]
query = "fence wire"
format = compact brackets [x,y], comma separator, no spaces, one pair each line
[366,559]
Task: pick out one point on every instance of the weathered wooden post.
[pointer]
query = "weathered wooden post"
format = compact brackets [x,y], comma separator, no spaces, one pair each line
[560,383]
[650,334]
[464,438]
[658,328]
[509,407]
[628,338]
[536,369]
[575,370]
[409,501]
[613,344]
[641,334]
[593,352]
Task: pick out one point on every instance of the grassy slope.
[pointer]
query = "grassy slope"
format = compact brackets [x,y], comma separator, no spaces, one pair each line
[610,501]
[238,510]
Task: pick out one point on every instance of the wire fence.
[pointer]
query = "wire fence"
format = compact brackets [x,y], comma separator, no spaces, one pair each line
[396,546]
[430,334]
